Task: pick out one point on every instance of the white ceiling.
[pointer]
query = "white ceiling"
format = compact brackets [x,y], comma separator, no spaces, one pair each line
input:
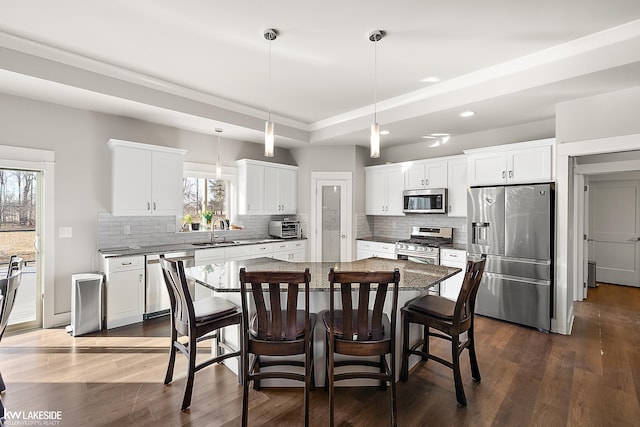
[203,64]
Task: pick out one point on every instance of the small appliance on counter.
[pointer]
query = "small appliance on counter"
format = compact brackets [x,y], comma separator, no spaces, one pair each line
[285,229]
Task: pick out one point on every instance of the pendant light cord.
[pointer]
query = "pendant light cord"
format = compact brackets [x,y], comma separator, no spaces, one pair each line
[375,80]
[269,85]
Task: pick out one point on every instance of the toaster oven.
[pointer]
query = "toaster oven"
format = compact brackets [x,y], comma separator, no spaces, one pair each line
[285,229]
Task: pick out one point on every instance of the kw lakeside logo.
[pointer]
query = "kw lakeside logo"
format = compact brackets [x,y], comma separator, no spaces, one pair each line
[32,418]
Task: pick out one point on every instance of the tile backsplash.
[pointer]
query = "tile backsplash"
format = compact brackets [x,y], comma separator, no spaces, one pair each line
[123,231]
[399,227]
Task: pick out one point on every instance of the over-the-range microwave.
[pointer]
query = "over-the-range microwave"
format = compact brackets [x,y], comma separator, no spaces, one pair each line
[431,200]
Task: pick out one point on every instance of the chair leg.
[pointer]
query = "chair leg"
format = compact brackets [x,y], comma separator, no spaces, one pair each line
[307,386]
[394,406]
[475,371]
[172,362]
[457,377]
[404,367]
[312,363]
[383,383]
[331,385]
[326,363]
[193,350]
[256,369]
[425,344]
[245,399]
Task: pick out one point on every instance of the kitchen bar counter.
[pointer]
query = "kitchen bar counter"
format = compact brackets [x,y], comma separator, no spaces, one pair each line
[223,277]
[415,280]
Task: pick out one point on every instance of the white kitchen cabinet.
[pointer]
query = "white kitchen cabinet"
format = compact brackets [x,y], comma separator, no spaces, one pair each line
[263,250]
[369,249]
[450,288]
[266,188]
[384,186]
[209,256]
[521,163]
[280,190]
[457,186]
[145,179]
[425,174]
[124,289]
[293,251]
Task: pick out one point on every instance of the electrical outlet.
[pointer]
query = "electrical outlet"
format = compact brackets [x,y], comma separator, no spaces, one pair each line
[64,232]
[393,225]
[127,229]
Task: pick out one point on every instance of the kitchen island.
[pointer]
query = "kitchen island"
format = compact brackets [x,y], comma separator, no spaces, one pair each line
[415,279]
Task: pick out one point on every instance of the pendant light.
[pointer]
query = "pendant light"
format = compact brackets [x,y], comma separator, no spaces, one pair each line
[375,37]
[269,34]
[218,164]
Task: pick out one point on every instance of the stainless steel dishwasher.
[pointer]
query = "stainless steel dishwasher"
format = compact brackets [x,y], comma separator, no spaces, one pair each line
[156,296]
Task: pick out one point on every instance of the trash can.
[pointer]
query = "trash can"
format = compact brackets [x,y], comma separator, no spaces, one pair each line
[591,274]
[86,303]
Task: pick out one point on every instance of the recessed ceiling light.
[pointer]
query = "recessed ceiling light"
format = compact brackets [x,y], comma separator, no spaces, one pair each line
[467,113]
[430,79]
[384,132]
[429,137]
[437,135]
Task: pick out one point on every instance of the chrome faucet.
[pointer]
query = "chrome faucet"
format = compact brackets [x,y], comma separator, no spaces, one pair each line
[213,229]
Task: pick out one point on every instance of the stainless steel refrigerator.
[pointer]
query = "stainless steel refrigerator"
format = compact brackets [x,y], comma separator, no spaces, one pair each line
[514,226]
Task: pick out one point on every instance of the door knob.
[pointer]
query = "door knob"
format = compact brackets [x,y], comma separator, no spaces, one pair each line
[344,236]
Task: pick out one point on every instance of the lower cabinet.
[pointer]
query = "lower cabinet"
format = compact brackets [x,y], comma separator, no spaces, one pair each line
[294,251]
[369,249]
[450,288]
[124,290]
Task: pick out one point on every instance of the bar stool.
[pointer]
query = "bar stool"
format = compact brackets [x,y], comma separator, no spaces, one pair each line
[450,320]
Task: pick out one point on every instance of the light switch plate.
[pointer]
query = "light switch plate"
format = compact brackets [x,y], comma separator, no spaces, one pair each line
[64,232]
[127,229]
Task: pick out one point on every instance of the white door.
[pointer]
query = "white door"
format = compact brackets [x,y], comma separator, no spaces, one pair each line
[331,223]
[614,221]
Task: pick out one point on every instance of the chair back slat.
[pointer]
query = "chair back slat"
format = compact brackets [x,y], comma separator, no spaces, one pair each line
[465,303]
[368,324]
[274,322]
[179,295]
[347,310]
[15,264]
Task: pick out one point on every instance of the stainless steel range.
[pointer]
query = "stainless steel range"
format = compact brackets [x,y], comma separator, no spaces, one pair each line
[424,244]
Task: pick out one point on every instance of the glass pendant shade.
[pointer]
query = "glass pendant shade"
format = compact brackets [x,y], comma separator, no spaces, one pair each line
[375,141]
[218,169]
[268,139]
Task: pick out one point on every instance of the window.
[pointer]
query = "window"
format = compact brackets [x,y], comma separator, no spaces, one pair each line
[202,196]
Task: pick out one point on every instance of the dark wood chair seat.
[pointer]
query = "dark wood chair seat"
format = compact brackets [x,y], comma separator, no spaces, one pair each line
[449,321]
[359,332]
[198,321]
[274,334]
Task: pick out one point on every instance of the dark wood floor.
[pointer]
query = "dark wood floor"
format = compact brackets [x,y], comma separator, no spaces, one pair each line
[591,378]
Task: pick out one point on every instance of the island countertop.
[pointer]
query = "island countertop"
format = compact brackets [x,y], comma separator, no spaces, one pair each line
[224,277]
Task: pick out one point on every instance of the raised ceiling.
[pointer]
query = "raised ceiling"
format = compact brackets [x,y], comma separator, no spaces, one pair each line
[199,65]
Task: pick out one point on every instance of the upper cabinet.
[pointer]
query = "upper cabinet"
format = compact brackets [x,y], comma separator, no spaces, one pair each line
[522,163]
[266,188]
[145,179]
[457,186]
[384,186]
[425,174]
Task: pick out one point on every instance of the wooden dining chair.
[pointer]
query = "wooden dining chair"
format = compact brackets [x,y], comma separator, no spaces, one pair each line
[450,320]
[8,291]
[276,331]
[359,332]
[197,321]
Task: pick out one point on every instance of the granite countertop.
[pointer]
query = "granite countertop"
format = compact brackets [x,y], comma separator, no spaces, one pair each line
[379,239]
[182,247]
[223,277]
[456,246]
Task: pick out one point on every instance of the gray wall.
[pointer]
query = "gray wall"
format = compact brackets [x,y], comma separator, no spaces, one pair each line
[82,171]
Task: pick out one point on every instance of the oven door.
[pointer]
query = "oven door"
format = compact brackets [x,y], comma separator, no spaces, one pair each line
[433,259]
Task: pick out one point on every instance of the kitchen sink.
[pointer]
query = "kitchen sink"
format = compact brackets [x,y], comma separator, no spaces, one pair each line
[214,244]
